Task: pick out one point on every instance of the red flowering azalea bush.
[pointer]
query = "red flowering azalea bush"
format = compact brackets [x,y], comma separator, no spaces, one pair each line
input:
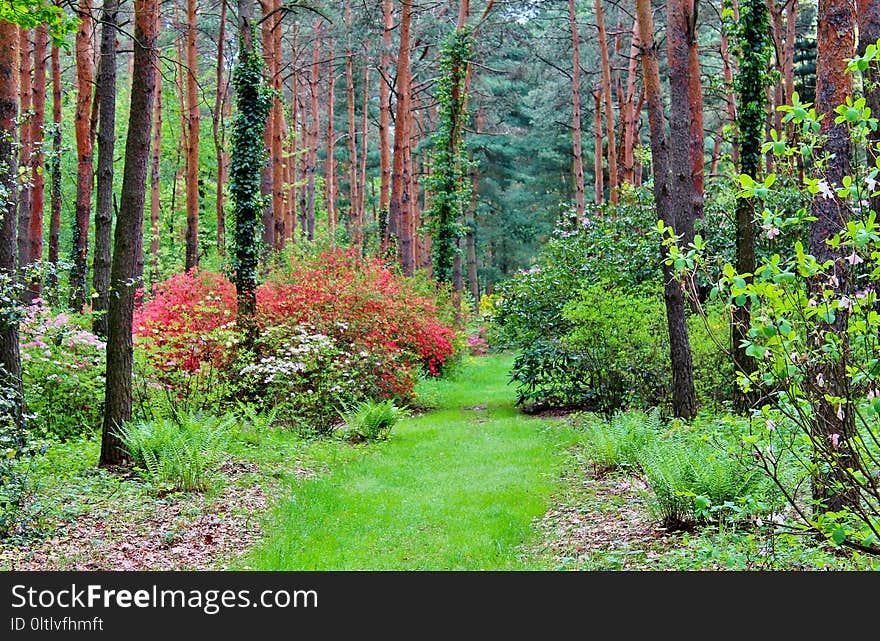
[334,328]
[188,321]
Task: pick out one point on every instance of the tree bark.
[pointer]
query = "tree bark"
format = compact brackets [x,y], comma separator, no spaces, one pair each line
[598,179]
[128,241]
[398,217]
[695,108]
[155,205]
[683,395]
[354,224]
[219,130]
[26,136]
[628,113]
[55,172]
[385,120]
[38,160]
[609,104]
[193,119]
[330,169]
[312,160]
[106,89]
[365,140]
[869,33]
[576,112]
[85,173]
[277,149]
[835,43]
[10,358]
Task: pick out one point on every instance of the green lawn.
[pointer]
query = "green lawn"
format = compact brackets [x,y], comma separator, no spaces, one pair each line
[454,489]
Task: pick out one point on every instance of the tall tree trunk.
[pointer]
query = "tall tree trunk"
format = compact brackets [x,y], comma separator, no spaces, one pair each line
[55,172]
[85,172]
[128,241]
[471,241]
[365,140]
[193,118]
[106,89]
[576,112]
[609,105]
[695,111]
[277,155]
[219,132]
[776,31]
[10,358]
[628,114]
[683,394]
[353,191]
[754,52]
[293,163]
[38,159]
[788,55]
[330,170]
[385,121]
[400,178]
[835,43]
[312,161]
[598,182]
[155,206]
[26,137]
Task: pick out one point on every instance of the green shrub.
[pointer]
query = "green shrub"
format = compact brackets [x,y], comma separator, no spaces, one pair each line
[174,456]
[371,420]
[618,443]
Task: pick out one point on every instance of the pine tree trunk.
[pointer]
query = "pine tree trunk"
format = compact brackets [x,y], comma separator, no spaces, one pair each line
[365,140]
[835,44]
[106,89]
[128,241]
[683,394]
[576,112]
[399,210]
[26,136]
[155,206]
[385,122]
[219,133]
[628,113]
[10,358]
[695,111]
[312,161]
[727,71]
[85,172]
[55,173]
[276,151]
[330,169]
[38,159]
[788,56]
[598,184]
[609,105]
[193,119]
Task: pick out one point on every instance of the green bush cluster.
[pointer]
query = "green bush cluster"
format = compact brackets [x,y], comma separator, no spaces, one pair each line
[589,320]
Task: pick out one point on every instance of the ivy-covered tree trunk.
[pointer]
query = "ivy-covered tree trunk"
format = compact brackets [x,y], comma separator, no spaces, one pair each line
[683,393]
[10,359]
[248,157]
[106,88]
[447,182]
[827,375]
[754,47]
[125,274]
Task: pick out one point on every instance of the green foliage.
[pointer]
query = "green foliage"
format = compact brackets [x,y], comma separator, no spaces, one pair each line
[617,443]
[178,457]
[448,181]
[371,420]
[689,478]
[814,325]
[247,158]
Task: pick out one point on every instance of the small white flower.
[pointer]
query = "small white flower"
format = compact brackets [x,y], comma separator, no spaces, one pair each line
[840,413]
[820,380]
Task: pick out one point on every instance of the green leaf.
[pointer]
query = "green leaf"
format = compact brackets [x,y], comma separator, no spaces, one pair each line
[838,536]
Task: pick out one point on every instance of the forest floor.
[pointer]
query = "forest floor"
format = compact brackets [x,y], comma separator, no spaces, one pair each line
[472,484]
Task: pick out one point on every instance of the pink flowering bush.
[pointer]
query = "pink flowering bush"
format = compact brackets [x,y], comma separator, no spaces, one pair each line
[62,371]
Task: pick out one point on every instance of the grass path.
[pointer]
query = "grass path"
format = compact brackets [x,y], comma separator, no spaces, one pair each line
[454,489]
